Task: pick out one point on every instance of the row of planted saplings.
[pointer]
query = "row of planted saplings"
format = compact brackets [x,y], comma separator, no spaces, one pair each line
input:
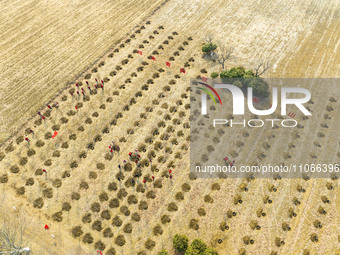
[133,101]
[65,145]
[321,210]
[158,145]
[179,196]
[329,185]
[88,76]
[116,50]
[40,143]
[146,87]
[238,200]
[194,223]
[95,207]
[91,145]
[56,127]
[165,218]
[115,203]
[140,68]
[150,109]
[128,183]
[137,123]
[253,224]
[317,224]
[151,80]
[291,213]
[327,117]
[70,113]
[156,75]
[47,114]
[126,61]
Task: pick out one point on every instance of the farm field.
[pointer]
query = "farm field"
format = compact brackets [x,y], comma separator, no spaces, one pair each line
[73,182]
[45,45]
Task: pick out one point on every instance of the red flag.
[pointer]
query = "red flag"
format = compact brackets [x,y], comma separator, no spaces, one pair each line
[204,79]
[167,64]
[170,171]
[76,108]
[44,171]
[46,227]
[54,134]
[139,52]
[144,180]
[182,70]
[153,58]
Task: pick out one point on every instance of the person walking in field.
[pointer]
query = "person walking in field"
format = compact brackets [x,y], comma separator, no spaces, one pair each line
[118,149]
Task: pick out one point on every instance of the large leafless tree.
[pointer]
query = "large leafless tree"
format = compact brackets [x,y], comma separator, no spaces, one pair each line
[11,239]
[223,54]
[261,67]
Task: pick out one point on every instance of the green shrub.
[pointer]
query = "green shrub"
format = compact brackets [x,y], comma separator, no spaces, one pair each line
[238,84]
[180,242]
[197,247]
[210,251]
[214,75]
[163,252]
[209,47]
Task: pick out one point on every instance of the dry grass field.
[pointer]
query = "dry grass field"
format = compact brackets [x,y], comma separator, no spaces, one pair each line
[45,45]
[88,203]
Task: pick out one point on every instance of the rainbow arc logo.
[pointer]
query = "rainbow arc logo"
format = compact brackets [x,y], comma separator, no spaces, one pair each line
[209,93]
